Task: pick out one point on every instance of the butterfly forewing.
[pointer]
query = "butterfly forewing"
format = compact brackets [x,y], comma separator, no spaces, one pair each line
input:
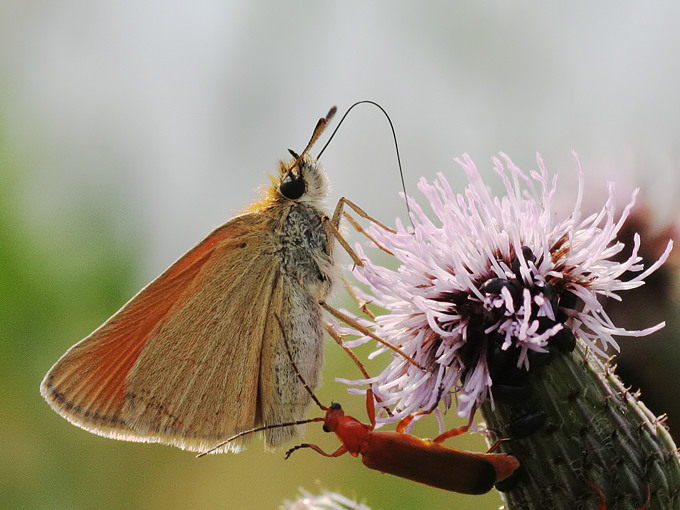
[205,359]
[90,384]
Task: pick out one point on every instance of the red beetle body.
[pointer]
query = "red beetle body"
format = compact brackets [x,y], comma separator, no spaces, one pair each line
[428,462]
[421,460]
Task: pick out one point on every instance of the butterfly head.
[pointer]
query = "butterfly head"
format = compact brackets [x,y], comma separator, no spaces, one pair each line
[301,179]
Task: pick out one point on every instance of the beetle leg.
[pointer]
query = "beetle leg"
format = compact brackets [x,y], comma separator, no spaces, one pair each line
[340,451]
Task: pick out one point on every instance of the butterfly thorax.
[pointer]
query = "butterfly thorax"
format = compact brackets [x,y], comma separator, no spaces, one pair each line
[304,249]
[303,243]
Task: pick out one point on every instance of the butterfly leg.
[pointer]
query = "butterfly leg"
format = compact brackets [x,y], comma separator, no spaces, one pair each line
[359,211]
[335,223]
[332,224]
[338,339]
[332,227]
[361,303]
[353,323]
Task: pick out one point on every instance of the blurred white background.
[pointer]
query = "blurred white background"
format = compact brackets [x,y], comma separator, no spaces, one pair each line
[183,108]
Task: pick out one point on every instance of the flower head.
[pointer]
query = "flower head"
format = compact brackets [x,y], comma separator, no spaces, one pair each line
[324,501]
[495,287]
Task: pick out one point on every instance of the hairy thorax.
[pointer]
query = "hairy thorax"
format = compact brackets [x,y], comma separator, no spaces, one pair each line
[305,249]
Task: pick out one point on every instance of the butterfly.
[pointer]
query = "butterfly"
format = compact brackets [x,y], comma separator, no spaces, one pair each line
[196,356]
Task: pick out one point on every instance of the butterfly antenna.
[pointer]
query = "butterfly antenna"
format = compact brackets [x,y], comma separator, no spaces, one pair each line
[318,131]
[396,147]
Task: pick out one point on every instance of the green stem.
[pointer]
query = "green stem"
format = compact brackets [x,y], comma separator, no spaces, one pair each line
[590,429]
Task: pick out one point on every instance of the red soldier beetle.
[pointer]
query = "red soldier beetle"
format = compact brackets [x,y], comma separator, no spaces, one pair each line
[402,454]
[407,456]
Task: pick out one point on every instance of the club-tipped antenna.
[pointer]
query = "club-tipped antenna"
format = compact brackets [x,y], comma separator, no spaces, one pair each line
[318,131]
[396,147]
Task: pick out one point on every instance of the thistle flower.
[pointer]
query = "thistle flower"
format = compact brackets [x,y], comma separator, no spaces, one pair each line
[324,501]
[494,288]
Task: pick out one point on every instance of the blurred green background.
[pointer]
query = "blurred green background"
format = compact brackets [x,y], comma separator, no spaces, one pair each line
[129,130]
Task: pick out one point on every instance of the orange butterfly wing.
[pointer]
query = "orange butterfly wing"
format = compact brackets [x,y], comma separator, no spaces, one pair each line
[89,384]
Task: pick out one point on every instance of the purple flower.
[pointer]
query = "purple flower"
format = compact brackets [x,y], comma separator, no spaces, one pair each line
[493,287]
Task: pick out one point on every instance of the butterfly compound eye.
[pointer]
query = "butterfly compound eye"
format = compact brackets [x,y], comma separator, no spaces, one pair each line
[292,186]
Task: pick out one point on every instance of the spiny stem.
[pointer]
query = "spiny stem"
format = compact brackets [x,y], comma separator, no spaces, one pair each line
[594,432]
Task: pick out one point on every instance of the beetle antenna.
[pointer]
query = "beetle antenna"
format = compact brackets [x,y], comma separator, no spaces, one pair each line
[258,429]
